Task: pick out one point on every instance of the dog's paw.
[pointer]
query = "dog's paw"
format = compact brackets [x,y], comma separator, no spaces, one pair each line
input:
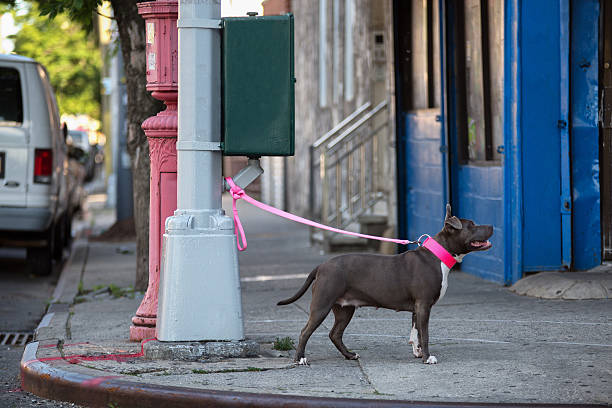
[355,357]
[303,362]
[416,351]
[431,360]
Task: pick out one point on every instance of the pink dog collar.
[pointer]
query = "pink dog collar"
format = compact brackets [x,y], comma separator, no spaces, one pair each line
[439,251]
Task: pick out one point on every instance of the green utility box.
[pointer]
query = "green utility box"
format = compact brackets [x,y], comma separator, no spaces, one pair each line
[258,86]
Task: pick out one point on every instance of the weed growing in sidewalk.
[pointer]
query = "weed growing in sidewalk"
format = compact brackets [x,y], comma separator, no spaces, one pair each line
[112,289]
[79,299]
[80,290]
[118,292]
[283,344]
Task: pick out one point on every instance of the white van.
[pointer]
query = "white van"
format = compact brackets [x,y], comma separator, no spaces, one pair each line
[34,190]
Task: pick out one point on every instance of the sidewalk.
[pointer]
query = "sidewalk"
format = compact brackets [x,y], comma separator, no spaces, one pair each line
[492,345]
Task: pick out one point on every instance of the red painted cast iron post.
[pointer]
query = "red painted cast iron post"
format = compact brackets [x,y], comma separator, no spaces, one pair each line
[161,130]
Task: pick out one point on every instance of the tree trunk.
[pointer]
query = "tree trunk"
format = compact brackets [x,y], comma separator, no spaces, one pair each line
[140,106]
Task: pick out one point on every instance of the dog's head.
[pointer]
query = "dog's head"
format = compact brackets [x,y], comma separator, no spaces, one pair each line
[462,236]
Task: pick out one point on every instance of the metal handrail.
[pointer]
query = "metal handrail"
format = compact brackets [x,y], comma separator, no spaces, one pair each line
[348,167]
[352,149]
[340,125]
[356,125]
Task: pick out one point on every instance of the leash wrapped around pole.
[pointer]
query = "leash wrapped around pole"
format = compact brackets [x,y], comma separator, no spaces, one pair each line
[238,193]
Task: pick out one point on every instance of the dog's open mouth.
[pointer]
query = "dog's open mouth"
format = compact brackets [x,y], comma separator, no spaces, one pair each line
[481,245]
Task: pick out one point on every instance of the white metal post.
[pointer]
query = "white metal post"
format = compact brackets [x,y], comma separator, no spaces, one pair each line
[199,294]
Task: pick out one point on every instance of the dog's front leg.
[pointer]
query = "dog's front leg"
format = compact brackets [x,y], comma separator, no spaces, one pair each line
[422,312]
[414,338]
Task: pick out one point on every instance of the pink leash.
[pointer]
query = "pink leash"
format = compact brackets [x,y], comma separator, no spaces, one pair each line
[238,193]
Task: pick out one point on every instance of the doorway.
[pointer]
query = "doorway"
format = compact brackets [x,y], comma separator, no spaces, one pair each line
[476,123]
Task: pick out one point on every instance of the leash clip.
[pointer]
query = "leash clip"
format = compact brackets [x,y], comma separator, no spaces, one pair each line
[419,241]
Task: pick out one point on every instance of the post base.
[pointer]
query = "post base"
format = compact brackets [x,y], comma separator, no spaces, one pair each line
[195,351]
[199,297]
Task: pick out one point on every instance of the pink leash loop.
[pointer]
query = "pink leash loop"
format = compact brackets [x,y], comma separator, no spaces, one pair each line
[237,193]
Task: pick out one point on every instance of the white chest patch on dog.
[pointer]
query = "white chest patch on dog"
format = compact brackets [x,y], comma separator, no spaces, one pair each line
[445,270]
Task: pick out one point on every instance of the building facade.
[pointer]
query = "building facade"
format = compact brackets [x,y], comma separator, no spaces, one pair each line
[501,108]
[519,137]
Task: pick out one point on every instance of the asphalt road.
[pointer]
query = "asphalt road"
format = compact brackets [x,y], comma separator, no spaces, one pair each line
[23,300]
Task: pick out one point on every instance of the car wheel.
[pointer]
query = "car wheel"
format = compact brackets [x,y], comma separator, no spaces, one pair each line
[59,238]
[39,260]
[68,233]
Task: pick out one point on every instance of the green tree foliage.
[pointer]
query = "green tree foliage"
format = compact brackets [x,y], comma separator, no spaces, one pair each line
[70,55]
[78,10]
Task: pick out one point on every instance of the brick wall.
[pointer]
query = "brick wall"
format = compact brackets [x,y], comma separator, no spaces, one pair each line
[275,7]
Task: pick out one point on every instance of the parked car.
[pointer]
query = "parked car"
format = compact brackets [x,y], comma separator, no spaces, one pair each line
[36,204]
[82,151]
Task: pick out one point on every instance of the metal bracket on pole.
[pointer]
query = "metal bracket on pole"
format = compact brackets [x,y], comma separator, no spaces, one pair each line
[199,23]
[197,145]
[247,175]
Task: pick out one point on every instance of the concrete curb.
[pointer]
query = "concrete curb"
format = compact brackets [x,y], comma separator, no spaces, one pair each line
[566,285]
[194,351]
[103,391]
[63,295]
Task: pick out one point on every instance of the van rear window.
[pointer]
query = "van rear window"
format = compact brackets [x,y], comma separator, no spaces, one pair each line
[11,103]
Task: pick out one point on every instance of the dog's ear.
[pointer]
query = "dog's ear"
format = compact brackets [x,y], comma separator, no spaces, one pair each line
[451,220]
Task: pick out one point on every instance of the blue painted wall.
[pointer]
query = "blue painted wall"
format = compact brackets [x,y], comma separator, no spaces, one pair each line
[585,133]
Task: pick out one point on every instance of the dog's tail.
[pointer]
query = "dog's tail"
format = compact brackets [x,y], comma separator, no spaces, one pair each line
[312,276]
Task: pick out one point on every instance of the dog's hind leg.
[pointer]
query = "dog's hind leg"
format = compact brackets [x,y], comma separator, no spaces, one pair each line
[343,317]
[317,315]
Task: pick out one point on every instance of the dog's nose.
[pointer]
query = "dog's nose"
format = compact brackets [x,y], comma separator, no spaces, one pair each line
[490,230]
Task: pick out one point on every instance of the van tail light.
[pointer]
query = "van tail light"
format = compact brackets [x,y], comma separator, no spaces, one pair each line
[43,165]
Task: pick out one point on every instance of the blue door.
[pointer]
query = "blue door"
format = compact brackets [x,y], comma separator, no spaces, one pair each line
[475,121]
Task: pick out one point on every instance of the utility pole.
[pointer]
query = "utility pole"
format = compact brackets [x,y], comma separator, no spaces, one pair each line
[199,297]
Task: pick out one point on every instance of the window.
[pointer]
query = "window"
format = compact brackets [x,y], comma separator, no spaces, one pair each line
[480,75]
[418,54]
[11,103]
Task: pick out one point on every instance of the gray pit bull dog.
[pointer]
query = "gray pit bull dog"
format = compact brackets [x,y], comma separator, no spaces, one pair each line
[412,281]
